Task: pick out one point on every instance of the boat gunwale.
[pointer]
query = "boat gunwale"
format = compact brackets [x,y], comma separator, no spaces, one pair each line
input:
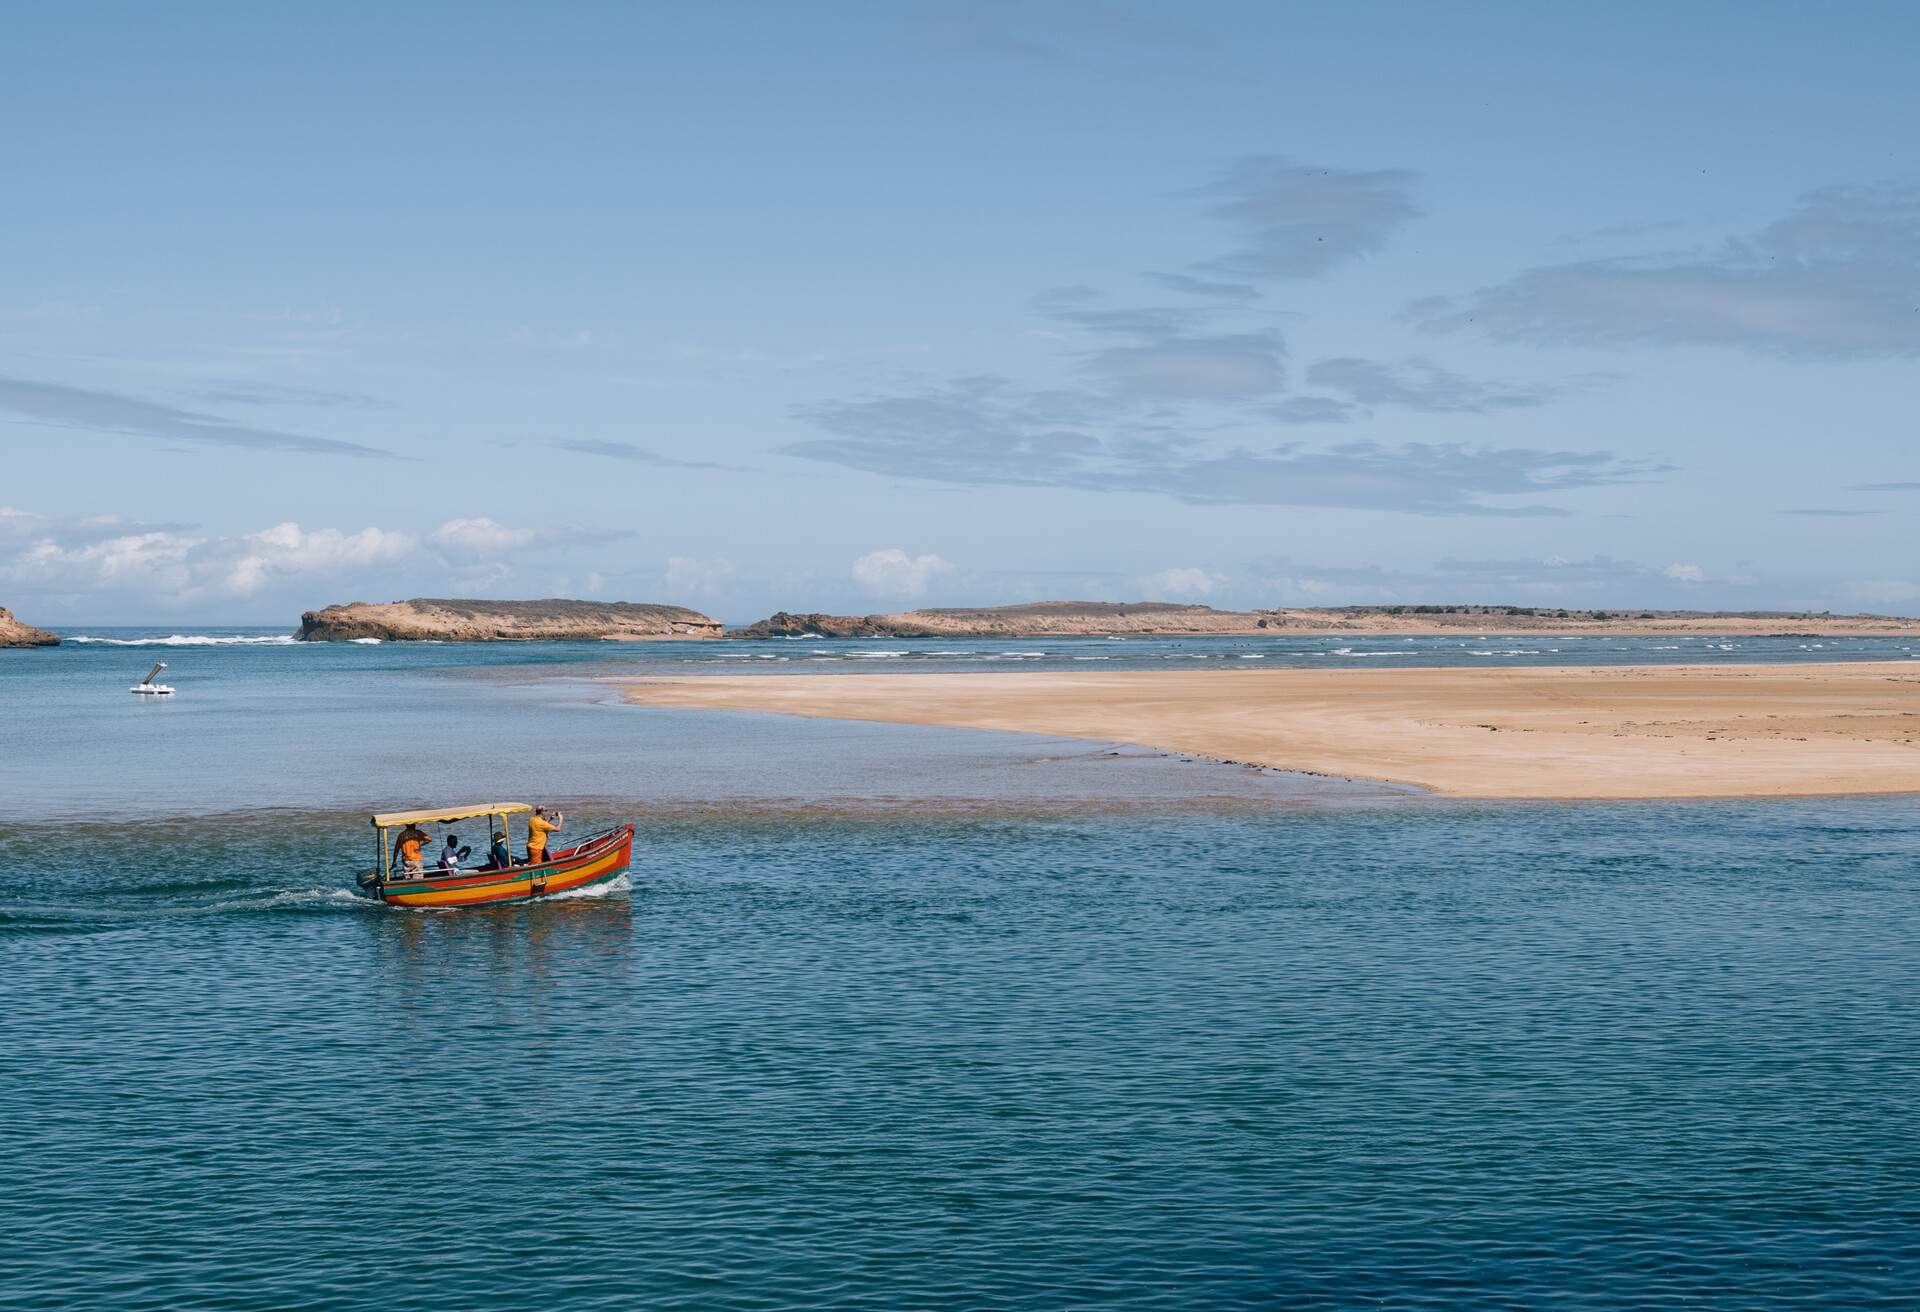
[608,842]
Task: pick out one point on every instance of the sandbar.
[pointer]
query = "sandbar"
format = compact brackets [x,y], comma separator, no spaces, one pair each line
[1621,732]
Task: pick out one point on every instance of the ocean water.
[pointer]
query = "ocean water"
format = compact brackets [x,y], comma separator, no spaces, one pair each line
[123,647]
[893,1019]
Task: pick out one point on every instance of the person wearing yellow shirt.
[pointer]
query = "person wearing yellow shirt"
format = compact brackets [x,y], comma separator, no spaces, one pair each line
[538,827]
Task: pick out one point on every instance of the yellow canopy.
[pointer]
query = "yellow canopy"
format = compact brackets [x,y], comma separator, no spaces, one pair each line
[449,813]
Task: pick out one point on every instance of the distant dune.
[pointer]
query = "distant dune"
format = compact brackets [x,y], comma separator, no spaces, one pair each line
[1045,619]
[15,634]
[462,620]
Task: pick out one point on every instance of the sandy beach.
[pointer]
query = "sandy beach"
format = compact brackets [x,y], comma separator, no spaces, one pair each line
[1564,732]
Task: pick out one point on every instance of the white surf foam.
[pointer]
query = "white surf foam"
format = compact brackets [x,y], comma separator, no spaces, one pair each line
[620,883]
[192,640]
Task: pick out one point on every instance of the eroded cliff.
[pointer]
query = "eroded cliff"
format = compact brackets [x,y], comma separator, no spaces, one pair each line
[462,620]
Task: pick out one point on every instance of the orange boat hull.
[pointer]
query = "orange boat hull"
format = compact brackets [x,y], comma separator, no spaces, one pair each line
[592,862]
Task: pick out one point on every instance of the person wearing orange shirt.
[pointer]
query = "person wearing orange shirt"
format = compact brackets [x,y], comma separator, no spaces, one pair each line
[538,827]
[409,847]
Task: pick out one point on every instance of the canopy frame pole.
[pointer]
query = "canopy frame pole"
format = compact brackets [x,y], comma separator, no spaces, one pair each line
[386,857]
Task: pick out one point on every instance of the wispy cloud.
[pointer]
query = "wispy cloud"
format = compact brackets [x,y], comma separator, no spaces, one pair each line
[985,431]
[1885,487]
[60,406]
[1311,410]
[18,525]
[1837,278]
[1304,220]
[262,394]
[1191,286]
[1226,367]
[1421,385]
[1825,512]
[1152,321]
[637,454]
[1145,379]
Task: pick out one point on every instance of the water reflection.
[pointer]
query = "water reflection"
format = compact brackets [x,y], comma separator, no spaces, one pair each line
[524,951]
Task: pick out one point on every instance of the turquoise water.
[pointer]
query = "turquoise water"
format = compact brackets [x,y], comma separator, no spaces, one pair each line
[1027,1026]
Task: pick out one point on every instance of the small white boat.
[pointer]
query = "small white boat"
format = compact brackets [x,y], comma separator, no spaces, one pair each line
[148,686]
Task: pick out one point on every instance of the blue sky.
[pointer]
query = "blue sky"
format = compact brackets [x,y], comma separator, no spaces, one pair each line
[862,306]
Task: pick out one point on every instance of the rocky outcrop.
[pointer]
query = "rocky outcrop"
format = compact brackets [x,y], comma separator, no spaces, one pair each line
[460,620]
[1048,619]
[785,624]
[15,634]
[1040,619]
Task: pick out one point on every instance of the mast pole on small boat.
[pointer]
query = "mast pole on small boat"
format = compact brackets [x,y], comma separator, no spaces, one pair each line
[157,667]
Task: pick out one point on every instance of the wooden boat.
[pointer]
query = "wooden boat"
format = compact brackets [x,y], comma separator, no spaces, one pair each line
[594,860]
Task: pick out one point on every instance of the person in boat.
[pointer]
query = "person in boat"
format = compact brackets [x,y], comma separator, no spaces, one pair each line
[538,827]
[498,857]
[450,854]
[409,849]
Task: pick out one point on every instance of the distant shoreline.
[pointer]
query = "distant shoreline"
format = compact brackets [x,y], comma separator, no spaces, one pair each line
[1548,733]
[563,620]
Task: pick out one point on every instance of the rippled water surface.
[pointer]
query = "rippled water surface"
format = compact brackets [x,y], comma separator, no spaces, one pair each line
[1461,1057]
[1184,1038]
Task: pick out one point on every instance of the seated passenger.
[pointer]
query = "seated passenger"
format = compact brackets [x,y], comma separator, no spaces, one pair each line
[450,854]
[498,857]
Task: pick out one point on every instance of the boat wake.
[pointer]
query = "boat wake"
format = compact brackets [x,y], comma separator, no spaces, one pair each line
[620,883]
[282,899]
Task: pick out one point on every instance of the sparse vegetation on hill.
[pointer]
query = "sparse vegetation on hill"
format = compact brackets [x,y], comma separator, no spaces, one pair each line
[466,620]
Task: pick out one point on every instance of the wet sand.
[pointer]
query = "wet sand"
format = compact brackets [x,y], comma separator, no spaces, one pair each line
[1572,733]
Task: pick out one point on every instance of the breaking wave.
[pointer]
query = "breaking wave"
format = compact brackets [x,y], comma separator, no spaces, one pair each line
[193,640]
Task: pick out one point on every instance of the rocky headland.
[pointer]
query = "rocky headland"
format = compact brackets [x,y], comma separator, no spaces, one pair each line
[1047,619]
[1040,619]
[15,634]
[425,619]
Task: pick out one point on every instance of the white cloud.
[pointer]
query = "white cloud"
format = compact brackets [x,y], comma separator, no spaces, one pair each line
[1685,573]
[168,565]
[891,572]
[137,559]
[1182,583]
[480,536]
[689,574]
[284,549]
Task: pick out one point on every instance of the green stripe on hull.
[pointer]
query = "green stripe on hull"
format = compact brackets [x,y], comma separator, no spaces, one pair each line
[392,890]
